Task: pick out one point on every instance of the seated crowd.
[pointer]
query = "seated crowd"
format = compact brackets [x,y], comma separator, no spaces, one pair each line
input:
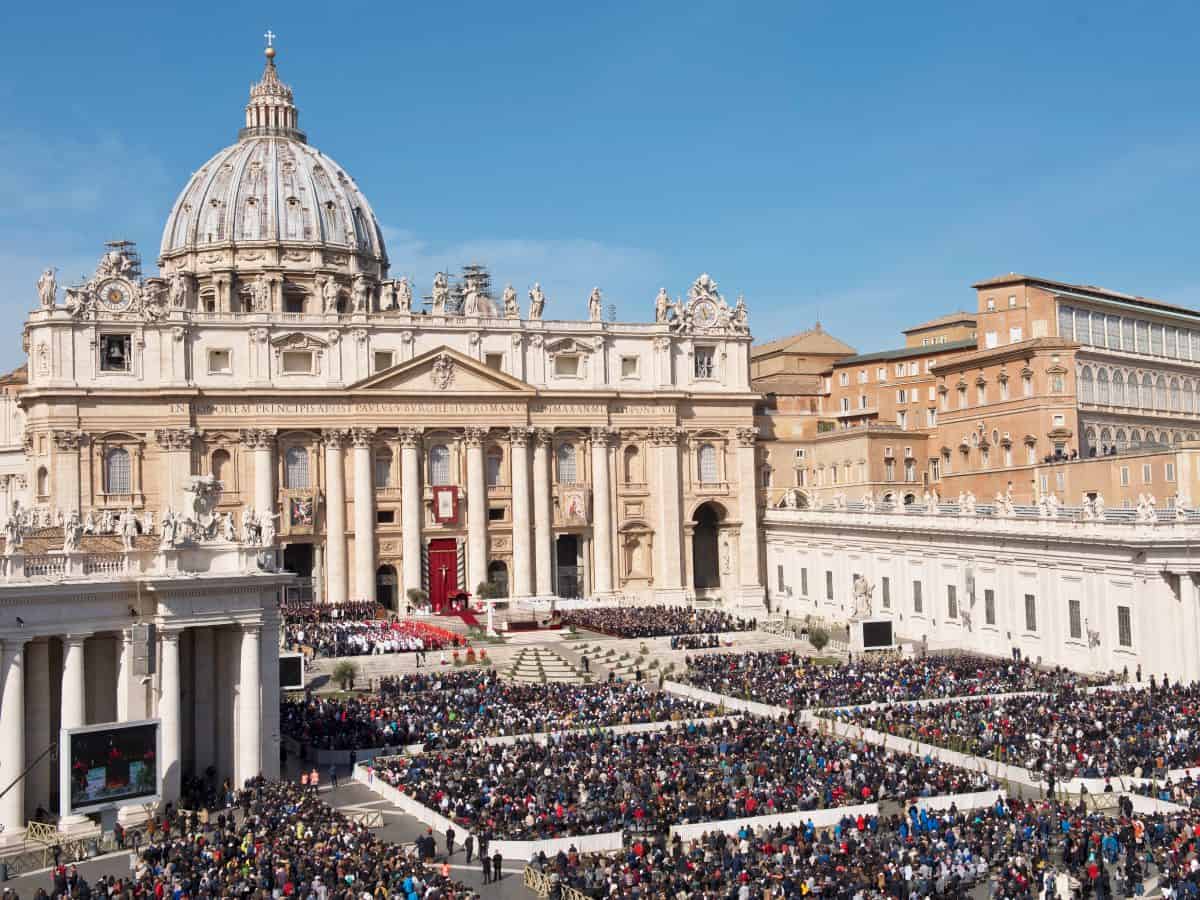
[284,841]
[1022,850]
[1068,733]
[462,706]
[787,679]
[309,611]
[369,637]
[655,621]
[601,782]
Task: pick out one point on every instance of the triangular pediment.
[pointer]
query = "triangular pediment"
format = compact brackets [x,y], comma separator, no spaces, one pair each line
[443,371]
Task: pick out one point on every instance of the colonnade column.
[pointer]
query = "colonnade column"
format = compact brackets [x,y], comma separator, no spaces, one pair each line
[477,506]
[542,508]
[751,592]
[72,712]
[168,713]
[364,515]
[12,738]
[668,569]
[335,515]
[269,650]
[249,734]
[37,723]
[522,581]
[410,509]
[204,683]
[602,537]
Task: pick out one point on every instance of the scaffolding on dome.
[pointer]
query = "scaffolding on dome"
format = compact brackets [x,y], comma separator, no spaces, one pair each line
[128,250]
[475,278]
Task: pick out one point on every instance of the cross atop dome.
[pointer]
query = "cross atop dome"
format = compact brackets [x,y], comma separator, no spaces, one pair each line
[271,111]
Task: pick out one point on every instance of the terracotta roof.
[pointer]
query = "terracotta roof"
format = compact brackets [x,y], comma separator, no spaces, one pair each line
[814,340]
[906,352]
[948,319]
[1100,293]
[788,383]
[19,375]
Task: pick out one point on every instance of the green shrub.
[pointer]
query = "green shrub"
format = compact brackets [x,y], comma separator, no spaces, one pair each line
[819,638]
[345,673]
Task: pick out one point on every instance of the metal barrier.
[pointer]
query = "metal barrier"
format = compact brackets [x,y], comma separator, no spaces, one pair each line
[542,885]
[371,818]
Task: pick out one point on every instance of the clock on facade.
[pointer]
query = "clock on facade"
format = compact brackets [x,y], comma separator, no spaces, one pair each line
[704,313]
[115,294]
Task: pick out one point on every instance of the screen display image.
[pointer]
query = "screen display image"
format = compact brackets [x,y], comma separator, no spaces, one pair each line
[291,672]
[877,634]
[112,765]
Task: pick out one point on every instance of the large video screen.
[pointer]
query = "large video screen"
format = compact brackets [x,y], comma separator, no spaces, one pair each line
[876,635]
[110,764]
[291,671]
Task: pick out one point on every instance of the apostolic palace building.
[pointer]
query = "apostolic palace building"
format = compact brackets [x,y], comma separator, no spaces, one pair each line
[274,417]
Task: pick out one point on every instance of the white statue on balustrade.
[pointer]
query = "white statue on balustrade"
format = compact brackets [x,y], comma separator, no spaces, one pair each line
[537,301]
[251,530]
[662,306]
[47,288]
[404,295]
[148,522]
[266,528]
[129,528]
[863,590]
[108,524]
[1146,512]
[441,293]
[13,532]
[228,528]
[868,502]
[169,527]
[595,306]
[511,309]
[72,533]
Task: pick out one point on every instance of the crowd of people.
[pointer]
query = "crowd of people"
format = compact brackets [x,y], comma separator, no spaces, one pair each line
[282,841]
[366,637]
[1067,733]
[695,641]
[455,707]
[599,782]
[787,679]
[1013,850]
[655,621]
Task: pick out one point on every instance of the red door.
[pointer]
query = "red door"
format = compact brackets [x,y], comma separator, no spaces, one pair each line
[443,573]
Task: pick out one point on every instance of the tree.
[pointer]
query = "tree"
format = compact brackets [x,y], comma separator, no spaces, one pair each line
[344,673]
[819,638]
[485,590]
[417,597]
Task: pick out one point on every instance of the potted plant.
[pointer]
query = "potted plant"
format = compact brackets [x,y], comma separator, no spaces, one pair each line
[417,597]
[819,638]
[470,655]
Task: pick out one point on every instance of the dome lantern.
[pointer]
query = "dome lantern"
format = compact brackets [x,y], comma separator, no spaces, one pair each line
[271,111]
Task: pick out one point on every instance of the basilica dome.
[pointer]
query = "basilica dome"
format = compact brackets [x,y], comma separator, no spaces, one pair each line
[272,187]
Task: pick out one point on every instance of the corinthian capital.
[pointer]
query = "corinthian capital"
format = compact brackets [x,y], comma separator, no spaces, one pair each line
[335,438]
[474,435]
[258,438]
[410,437]
[747,436]
[174,438]
[519,435]
[362,436]
[67,441]
[604,435]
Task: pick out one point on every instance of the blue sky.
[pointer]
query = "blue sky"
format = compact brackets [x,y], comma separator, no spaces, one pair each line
[858,163]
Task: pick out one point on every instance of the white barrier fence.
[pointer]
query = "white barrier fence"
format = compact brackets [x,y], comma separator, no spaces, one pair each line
[756,709]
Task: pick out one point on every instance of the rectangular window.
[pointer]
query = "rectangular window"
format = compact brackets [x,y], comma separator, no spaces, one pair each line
[1170,471]
[296,362]
[494,361]
[899,370]
[116,352]
[779,579]
[902,418]
[1114,332]
[1127,334]
[495,513]
[845,404]
[991,339]
[1004,390]
[383,360]
[629,367]
[989,607]
[901,396]
[804,582]
[220,362]
[931,417]
[706,362]
[1143,337]
[914,368]
[1172,342]
[1147,477]
[952,601]
[1075,618]
[917,603]
[1124,476]
[828,585]
[385,516]
[843,378]
[1015,334]
[566,365]
[1030,613]
[881,373]
[1156,340]
[1124,627]
[1066,323]
[885,588]
[1060,481]
[1045,483]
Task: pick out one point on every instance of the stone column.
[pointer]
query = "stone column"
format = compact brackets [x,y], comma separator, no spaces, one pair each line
[124,673]
[72,709]
[204,657]
[477,506]
[270,693]
[335,515]
[602,532]
[169,714]
[249,734]
[542,510]
[410,509]
[751,592]
[364,514]
[668,568]
[37,724]
[522,581]
[261,443]
[66,482]
[12,739]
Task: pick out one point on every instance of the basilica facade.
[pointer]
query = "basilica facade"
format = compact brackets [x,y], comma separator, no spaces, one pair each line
[380,442]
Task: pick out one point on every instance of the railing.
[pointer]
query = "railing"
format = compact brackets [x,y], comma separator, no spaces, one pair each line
[45,566]
[110,564]
[544,885]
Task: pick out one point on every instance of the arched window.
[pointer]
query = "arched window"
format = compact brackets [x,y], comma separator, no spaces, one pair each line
[43,482]
[1135,437]
[220,466]
[1147,391]
[1118,388]
[633,464]
[1160,393]
[1121,438]
[495,460]
[1102,387]
[439,464]
[1105,438]
[383,468]
[295,468]
[1087,388]
[117,478]
[1176,405]
[708,464]
[1089,438]
[567,473]
[1188,395]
